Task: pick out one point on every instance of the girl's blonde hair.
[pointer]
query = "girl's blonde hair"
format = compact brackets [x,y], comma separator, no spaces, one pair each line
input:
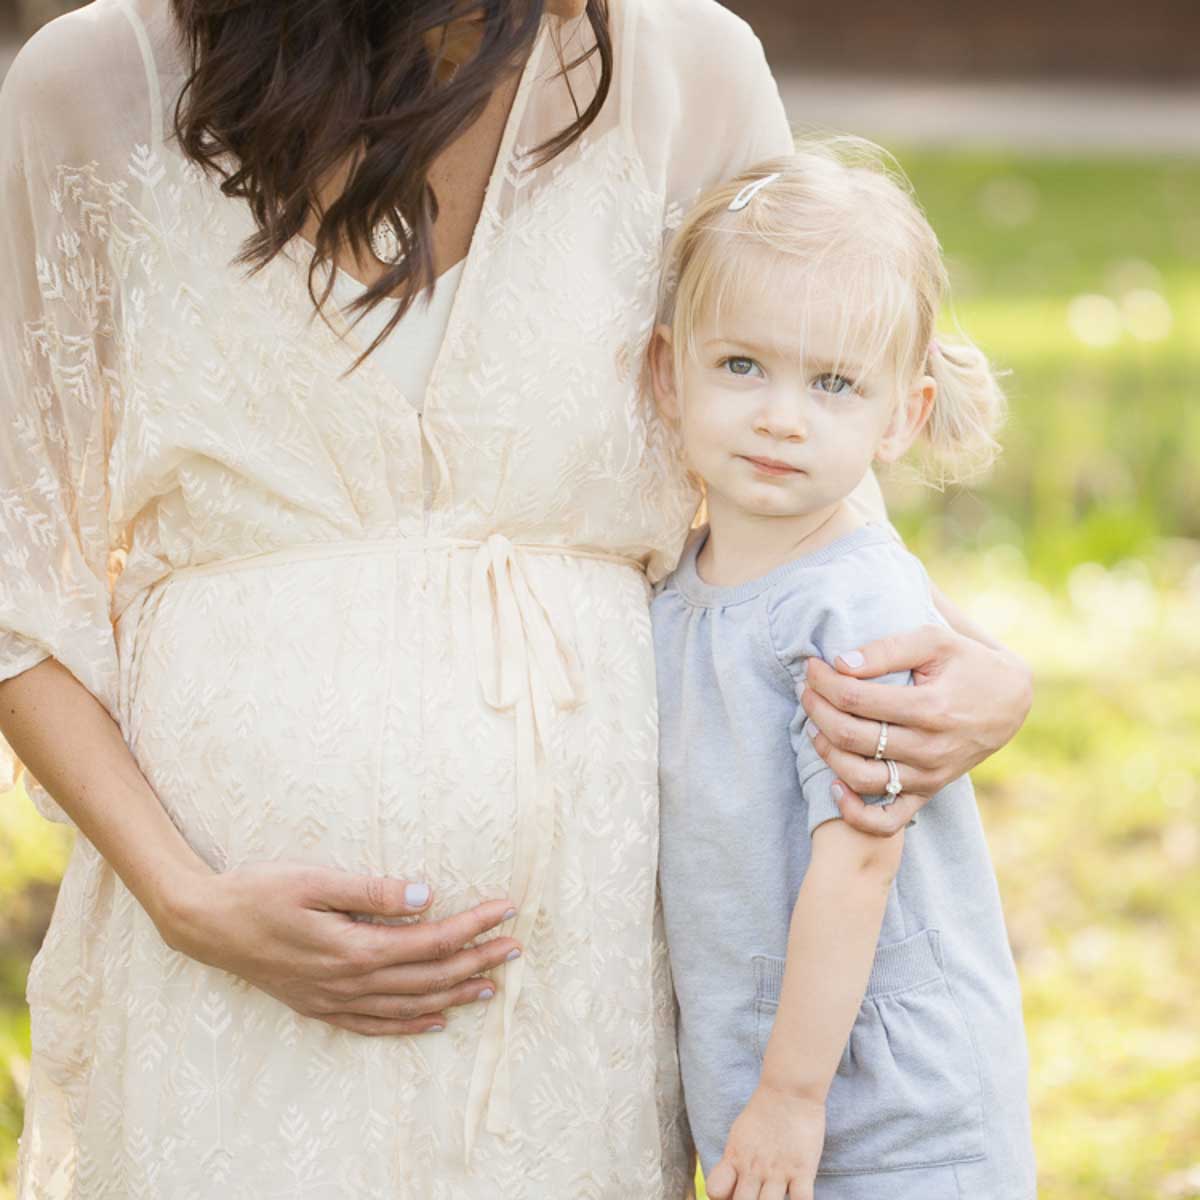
[840,227]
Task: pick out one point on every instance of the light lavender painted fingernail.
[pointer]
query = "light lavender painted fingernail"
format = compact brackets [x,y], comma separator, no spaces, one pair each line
[435,1029]
[508,916]
[511,955]
[853,659]
[486,994]
[837,792]
[416,895]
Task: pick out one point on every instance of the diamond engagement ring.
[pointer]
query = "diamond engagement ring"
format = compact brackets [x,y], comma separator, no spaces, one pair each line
[894,786]
[881,745]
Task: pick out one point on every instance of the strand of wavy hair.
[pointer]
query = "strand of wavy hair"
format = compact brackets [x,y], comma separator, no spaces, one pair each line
[282,93]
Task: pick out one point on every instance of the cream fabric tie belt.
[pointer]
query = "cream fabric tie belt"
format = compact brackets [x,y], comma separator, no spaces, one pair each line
[526,666]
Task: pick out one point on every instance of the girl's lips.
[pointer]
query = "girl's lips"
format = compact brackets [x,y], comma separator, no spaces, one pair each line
[772,466]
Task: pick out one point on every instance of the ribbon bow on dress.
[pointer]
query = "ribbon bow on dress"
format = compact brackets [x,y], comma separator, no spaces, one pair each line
[525,666]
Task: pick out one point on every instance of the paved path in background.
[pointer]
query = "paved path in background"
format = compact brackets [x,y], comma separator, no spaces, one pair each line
[1039,117]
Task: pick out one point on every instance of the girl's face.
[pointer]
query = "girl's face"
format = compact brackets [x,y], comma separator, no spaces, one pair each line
[776,425]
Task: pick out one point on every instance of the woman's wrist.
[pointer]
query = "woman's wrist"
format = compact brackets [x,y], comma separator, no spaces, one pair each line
[178,899]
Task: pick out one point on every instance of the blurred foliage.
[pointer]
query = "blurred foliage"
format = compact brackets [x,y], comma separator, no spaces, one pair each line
[1081,279]
[1083,552]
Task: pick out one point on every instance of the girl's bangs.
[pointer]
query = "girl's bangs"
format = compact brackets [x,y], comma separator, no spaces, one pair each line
[844,306]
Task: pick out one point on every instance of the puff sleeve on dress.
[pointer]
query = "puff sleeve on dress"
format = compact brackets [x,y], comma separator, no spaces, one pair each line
[56,301]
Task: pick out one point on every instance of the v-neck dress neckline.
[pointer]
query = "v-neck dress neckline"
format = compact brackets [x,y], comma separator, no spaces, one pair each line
[489,219]
[410,349]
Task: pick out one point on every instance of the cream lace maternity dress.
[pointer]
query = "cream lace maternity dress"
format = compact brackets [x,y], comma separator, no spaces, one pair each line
[336,630]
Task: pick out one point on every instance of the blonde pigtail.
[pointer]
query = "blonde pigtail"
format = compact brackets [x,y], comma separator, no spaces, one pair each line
[969,409]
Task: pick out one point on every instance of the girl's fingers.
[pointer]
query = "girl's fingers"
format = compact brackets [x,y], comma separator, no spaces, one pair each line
[874,818]
[868,776]
[721,1181]
[910,706]
[773,1189]
[800,1189]
[747,1187]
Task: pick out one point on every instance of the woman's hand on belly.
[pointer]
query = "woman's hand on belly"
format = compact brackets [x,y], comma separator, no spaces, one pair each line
[291,931]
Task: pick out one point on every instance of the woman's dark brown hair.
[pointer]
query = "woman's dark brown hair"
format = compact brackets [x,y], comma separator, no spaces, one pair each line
[281,92]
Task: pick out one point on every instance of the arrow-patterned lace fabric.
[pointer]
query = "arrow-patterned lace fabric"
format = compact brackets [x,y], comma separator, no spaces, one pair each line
[225,538]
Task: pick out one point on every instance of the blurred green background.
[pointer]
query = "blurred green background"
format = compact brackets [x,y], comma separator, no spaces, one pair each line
[1081,277]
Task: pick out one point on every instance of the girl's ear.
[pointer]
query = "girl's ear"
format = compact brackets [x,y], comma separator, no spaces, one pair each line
[662,372]
[908,420]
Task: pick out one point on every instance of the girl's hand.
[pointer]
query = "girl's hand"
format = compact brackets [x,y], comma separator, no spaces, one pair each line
[968,701]
[289,931]
[773,1149]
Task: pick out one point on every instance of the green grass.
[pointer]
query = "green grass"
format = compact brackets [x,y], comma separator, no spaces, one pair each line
[1103,441]
[1082,551]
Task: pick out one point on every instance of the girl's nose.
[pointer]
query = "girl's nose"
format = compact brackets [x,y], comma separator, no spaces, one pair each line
[782,417]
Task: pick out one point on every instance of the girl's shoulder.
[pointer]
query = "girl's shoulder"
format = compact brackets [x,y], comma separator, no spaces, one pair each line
[868,587]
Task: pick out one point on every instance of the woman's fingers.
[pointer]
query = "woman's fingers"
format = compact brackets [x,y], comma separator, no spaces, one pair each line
[910,706]
[392,945]
[868,776]
[377,1027]
[371,895]
[773,1189]
[408,1007]
[874,818]
[855,735]
[426,978]
[917,650]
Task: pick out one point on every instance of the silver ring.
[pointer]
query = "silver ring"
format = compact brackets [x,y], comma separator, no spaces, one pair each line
[881,745]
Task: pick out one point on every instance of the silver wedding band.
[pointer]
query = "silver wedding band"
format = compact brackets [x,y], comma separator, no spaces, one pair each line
[881,745]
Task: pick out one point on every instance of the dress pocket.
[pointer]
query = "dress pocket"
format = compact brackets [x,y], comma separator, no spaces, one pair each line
[908,1091]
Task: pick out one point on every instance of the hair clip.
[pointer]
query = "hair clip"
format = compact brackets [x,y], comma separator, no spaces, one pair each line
[750,191]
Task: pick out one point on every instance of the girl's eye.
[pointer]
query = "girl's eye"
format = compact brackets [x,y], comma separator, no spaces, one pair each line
[835,385]
[741,366]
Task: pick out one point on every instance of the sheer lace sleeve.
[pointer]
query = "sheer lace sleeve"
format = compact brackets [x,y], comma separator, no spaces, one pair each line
[56,326]
[701,101]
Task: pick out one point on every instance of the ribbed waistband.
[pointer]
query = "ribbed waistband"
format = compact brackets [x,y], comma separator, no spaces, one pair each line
[318,551]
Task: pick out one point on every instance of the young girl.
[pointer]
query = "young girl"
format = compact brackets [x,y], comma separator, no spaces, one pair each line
[850,1012]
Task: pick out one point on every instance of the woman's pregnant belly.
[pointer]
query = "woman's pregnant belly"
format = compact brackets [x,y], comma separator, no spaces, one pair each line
[330,711]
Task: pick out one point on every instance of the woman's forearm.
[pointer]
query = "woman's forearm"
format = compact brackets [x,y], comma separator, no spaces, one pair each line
[67,739]
[284,927]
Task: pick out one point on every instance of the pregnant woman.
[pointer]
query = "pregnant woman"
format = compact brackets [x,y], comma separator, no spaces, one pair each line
[328,630]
